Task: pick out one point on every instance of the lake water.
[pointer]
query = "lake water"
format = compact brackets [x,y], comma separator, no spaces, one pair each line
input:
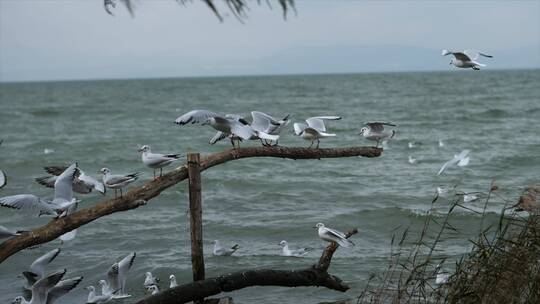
[260,201]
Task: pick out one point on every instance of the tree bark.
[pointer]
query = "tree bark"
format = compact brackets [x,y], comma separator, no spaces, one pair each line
[316,275]
[139,196]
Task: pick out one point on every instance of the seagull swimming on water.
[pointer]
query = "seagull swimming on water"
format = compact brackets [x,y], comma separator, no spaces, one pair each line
[466,59]
[315,129]
[375,131]
[118,181]
[93,298]
[462,159]
[63,196]
[82,183]
[286,251]
[221,251]
[332,235]
[230,124]
[156,160]
[115,284]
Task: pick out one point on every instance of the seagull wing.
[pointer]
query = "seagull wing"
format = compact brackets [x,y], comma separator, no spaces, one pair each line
[55,170]
[38,266]
[317,122]
[129,6]
[92,182]
[263,122]
[299,128]
[62,288]
[47,181]
[378,126]
[112,277]
[43,286]
[118,179]
[461,56]
[219,136]
[475,54]
[123,267]
[3,179]
[26,201]
[241,130]
[340,238]
[63,187]
[195,116]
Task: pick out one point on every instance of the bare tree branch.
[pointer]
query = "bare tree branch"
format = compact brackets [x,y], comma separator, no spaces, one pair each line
[140,195]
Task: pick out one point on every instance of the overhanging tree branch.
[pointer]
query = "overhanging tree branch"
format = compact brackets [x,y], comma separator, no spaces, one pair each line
[316,275]
[140,195]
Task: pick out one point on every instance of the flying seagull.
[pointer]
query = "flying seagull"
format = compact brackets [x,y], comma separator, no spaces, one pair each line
[83,183]
[332,235]
[63,196]
[222,251]
[37,268]
[462,159]
[115,284]
[315,129]
[44,286]
[115,181]
[230,124]
[466,59]
[375,131]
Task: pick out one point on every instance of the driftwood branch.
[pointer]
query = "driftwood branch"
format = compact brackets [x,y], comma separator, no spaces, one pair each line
[138,196]
[316,275]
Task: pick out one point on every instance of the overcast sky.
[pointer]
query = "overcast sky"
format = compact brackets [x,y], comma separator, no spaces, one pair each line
[76,39]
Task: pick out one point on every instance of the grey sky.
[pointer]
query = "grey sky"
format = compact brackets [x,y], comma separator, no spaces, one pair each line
[76,39]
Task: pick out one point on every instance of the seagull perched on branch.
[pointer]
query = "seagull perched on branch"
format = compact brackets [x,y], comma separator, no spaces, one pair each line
[375,131]
[230,125]
[117,181]
[63,196]
[82,183]
[332,235]
[156,160]
[315,129]
[466,59]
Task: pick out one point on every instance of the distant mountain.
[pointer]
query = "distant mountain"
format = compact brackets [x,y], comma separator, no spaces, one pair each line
[385,58]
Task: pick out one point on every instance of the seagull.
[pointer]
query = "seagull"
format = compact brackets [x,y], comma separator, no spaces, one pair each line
[173,284]
[37,268]
[412,160]
[3,178]
[229,124]
[441,190]
[62,288]
[441,143]
[6,233]
[467,198]
[150,280]
[63,196]
[375,131]
[153,289]
[466,59]
[315,129]
[285,251]
[331,235]
[441,277]
[221,251]
[413,144]
[115,285]
[43,287]
[462,159]
[69,236]
[156,160]
[97,299]
[117,181]
[265,123]
[108,4]
[83,183]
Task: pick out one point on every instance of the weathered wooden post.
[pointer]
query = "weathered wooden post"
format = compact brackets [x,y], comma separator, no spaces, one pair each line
[195,216]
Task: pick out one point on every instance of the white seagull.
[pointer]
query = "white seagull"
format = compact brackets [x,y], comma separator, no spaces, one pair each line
[3,178]
[93,298]
[412,160]
[37,268]
[173,284]
[332,235]
[229,124]
[117,181]
[83,183]
[441,277]
[156,160]
[42,288]
[115,285]
[315,129]
[150,280]
[221,251]
[467,198]
[375,131]
[285,251]
[466,59]
[462,159]
[6,233]
[63,196]
[154,289]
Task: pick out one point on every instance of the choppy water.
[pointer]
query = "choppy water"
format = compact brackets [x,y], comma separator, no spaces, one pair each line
[258,202]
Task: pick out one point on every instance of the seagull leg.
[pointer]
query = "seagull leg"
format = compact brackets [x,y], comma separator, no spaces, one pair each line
[318,142]
[160,172]
[154,173]
[115,193]
[121,194]
[311,143]
[232,142]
